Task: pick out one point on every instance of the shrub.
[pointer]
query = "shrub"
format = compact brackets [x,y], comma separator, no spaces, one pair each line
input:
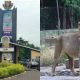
[5,64]
[47,56]
[4,72]
[10,69]
[15,69]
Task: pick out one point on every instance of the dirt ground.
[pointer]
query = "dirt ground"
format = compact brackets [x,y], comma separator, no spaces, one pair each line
[64,74]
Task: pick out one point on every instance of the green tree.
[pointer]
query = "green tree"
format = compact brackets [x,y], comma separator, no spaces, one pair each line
[74,10]
[23,42]
[24,52]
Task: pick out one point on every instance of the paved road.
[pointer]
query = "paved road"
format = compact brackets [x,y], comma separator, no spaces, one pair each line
[28,75]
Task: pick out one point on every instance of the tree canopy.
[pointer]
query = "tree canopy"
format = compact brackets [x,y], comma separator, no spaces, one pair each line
[24,52]
[23,42]
[69,12]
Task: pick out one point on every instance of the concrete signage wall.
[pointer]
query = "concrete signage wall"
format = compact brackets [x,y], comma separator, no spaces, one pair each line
[6,49]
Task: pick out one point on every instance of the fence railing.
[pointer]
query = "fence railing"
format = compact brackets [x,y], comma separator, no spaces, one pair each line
[50,33]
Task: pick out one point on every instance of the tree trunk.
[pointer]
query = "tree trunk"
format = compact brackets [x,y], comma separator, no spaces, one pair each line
[71,18]
[64,18]
[58,16]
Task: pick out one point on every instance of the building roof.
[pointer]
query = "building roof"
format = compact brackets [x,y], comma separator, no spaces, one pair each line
[24,46]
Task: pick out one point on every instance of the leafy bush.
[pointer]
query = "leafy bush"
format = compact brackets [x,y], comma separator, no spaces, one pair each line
[15,69]
[5,64]
[4,72]
[7,69]
[47,57]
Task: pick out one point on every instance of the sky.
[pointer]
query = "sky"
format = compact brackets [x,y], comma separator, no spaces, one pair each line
[28,20]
